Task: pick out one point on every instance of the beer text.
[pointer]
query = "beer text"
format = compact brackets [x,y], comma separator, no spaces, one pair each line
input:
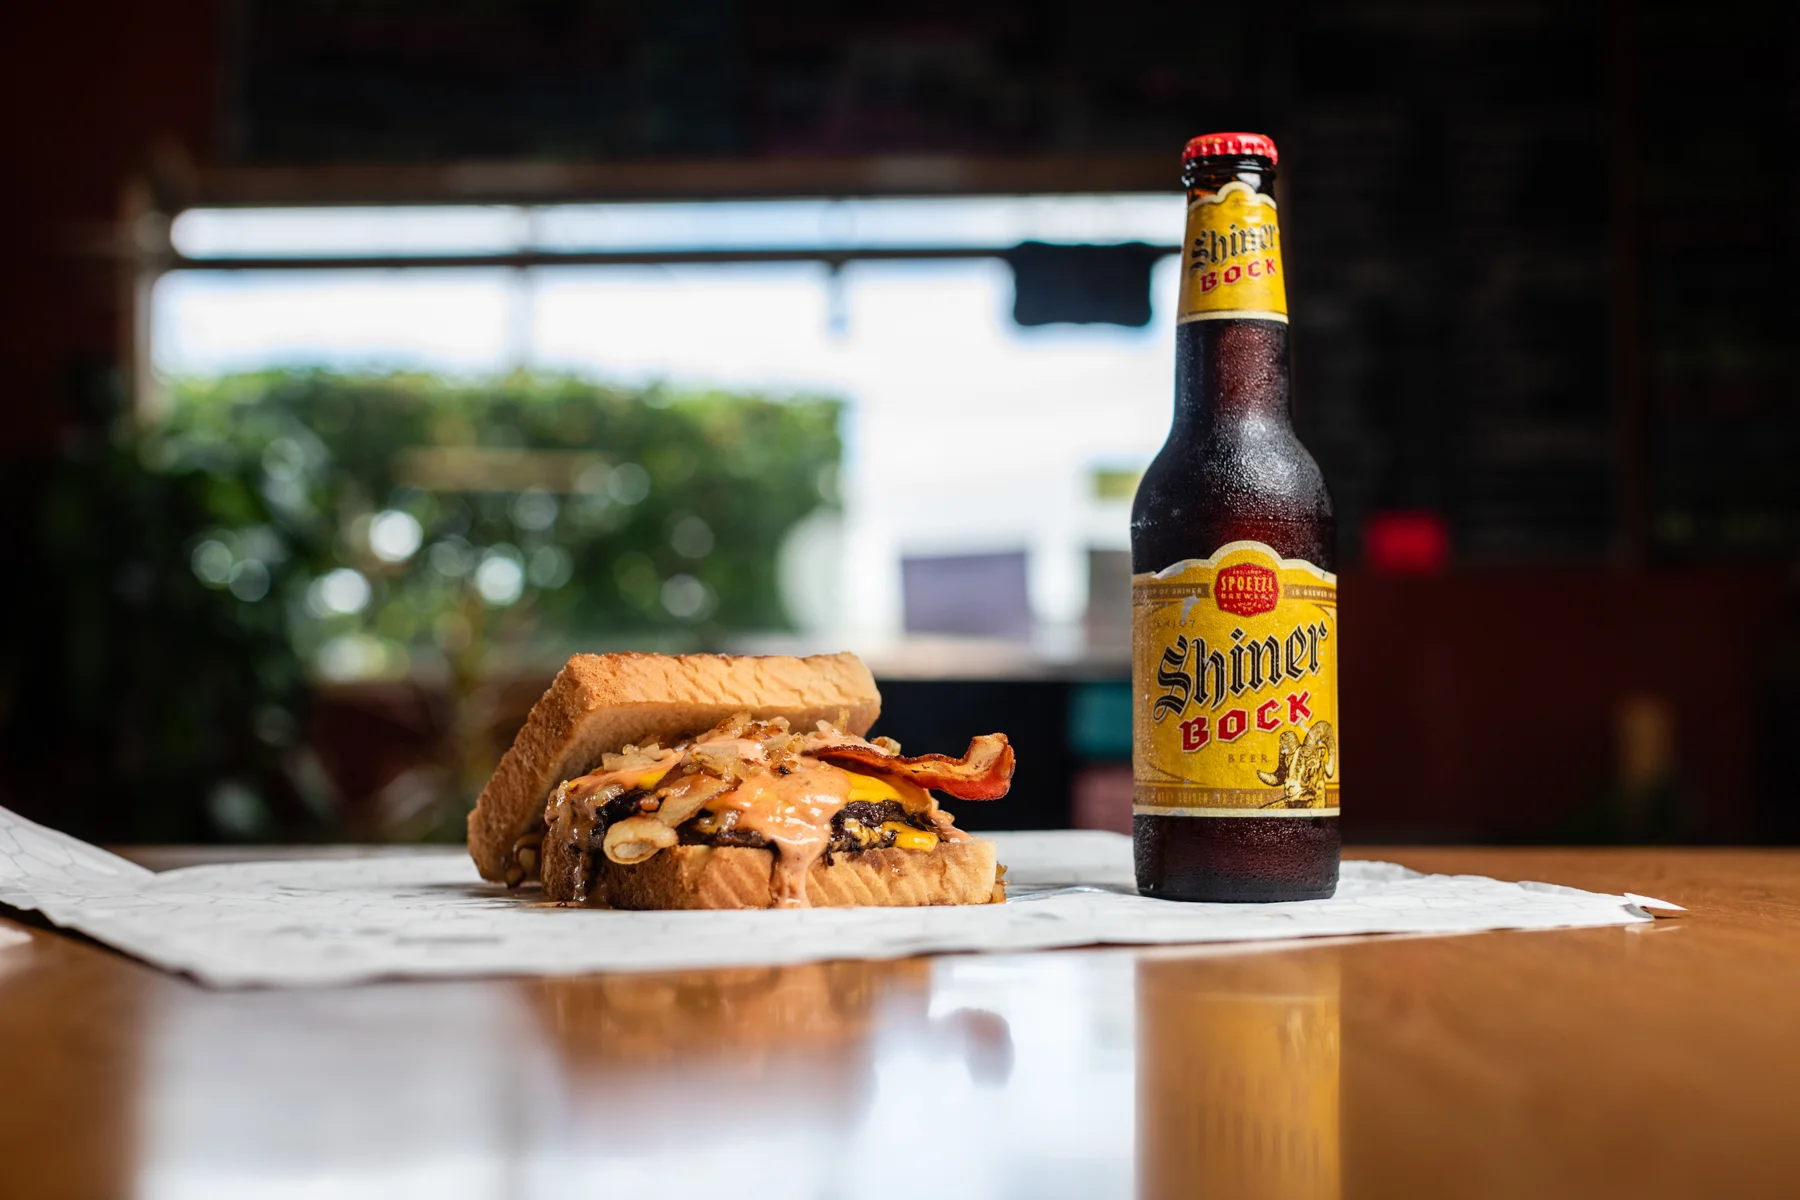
[1192,673]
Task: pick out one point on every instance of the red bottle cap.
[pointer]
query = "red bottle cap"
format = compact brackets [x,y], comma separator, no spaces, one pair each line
[1229,143]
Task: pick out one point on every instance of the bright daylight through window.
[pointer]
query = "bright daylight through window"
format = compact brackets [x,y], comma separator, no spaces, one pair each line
[927,467]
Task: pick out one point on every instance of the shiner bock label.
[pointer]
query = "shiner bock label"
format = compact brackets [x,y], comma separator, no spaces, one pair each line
[1234,687]
[1231,262]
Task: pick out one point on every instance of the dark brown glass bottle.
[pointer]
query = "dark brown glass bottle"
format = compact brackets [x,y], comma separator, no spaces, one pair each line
[1244,765]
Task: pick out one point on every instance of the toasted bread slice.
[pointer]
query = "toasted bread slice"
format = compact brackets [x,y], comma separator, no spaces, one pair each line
[733,877]
[599,703]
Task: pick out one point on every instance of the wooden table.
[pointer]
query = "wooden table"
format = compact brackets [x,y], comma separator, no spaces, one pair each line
[1659,1060]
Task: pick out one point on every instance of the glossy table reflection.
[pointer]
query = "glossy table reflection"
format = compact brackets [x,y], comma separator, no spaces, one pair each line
[1650,1061]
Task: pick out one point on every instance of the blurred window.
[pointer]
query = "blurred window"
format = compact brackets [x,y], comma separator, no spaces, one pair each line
[963,433]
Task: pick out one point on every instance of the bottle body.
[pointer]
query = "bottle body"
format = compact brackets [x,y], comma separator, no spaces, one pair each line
[1235,756]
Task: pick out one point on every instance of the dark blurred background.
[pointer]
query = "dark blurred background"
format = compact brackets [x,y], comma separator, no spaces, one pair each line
[1541,283]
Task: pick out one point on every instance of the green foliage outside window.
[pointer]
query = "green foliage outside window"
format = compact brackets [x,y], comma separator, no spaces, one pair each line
[545,514]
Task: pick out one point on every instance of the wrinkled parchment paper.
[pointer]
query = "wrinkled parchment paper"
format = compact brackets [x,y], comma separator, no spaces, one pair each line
[428,914]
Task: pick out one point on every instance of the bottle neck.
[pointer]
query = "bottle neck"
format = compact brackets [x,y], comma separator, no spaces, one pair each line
[1231,369]
[1206,176]
[1231,372]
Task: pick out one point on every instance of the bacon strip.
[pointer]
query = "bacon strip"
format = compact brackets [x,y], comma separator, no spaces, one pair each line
[984,772]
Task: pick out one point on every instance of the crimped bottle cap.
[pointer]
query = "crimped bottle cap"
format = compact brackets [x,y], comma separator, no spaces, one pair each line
[1208,144]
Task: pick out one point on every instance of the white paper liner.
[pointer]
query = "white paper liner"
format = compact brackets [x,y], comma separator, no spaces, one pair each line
[347,920]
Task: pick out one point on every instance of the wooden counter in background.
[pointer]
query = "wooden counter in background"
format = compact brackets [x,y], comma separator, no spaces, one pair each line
[1655,1060]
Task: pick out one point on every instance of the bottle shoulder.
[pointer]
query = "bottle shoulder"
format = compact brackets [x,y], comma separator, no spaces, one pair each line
[1201,493]
[1256,468]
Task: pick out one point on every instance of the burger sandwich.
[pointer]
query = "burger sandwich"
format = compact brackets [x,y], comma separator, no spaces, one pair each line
[716,781]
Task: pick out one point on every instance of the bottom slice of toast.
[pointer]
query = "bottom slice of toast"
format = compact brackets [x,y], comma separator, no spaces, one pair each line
[735,877]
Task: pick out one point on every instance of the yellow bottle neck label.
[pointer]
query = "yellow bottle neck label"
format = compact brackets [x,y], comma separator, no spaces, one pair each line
[1231,261]
[1234,687]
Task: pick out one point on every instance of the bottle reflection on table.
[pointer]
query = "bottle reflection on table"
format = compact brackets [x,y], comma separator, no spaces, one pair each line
[1238,1076]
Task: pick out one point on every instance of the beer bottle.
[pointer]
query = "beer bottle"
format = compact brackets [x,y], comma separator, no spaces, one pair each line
[1234,604]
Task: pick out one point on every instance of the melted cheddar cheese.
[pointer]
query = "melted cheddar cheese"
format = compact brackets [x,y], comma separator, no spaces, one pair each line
[908,838]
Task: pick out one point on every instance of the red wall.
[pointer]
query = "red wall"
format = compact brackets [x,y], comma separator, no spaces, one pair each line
[1487,703]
